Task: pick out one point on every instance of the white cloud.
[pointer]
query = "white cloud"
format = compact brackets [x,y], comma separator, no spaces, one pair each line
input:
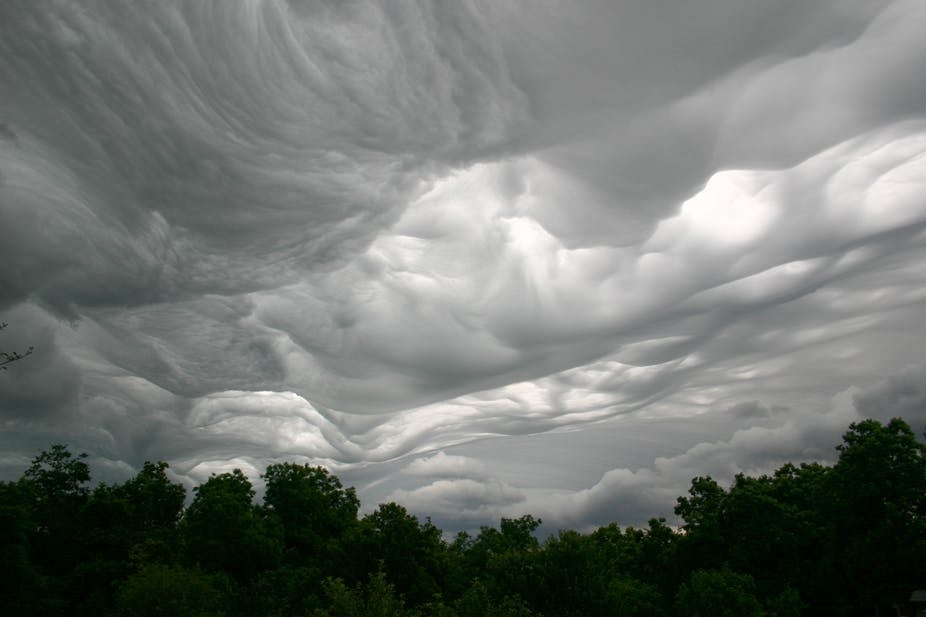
[442,465]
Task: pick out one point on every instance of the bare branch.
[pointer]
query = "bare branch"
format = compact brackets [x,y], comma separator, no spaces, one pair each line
[8,357]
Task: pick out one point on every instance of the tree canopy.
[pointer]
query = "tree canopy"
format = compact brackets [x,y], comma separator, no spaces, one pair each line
[808,539]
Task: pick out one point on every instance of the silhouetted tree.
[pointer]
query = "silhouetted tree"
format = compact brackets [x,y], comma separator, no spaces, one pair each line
[718,593]
[375,598]
[20,583]
[55,489]
[8,357]
[411,554]
[226,532]
[57,486]
[503,558]
[169,591]
[808,539]
[315,512]
[124,527]
[877,504]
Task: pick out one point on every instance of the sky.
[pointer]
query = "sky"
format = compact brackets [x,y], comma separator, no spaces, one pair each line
[481,258]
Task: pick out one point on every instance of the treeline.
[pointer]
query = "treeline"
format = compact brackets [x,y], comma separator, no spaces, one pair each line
[847,539]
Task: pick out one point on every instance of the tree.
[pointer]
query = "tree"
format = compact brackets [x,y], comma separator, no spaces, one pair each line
[58,475]
[50,498]
[765,537]
[8,357]
[287,590]
[514,535]
[156,501]
[411,553]
[56,485]
[504,558]
[314,509]
[718,593]
[640,565]
[167,591]
[142,508]
[569,583]
[19,581]
[227,532]
[123,527]
[877,505]
[376,598]
[626,596]
[478,602]
[809,539]
[701,509]
[803,491]
[705,544]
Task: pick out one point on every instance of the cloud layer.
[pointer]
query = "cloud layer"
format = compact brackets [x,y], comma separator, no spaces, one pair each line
[427,243]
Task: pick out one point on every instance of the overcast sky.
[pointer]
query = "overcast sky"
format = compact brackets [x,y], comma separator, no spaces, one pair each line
[482,258]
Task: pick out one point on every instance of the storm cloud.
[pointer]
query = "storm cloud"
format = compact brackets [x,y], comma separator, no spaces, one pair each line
[481,258]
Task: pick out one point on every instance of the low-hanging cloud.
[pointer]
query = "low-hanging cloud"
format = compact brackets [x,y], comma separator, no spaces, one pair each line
[756,440]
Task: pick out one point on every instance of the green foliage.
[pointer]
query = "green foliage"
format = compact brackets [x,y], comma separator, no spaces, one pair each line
[805,540]
[786,603]
[375,598]
[513,537]
[312,505]
[227,532]
[56,487]
[412,553]
[156,501]
[137,519]
[644,554]
[287,590]
[856,532]
[124,526]
[877,504]
[19,579]
[572,578]
[701,509]
[631,597]
[169,591]
[503,558]
[479,602]
[57,476]
[718,593]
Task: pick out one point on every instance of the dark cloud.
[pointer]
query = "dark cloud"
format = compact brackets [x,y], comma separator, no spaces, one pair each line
[487,258]
[183,149]
[46,384]
[899,396]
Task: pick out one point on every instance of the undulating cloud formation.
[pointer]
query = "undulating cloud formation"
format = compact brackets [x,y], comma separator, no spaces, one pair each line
[481,258]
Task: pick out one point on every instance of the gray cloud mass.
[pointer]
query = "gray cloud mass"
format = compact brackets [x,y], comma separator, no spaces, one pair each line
[480,258]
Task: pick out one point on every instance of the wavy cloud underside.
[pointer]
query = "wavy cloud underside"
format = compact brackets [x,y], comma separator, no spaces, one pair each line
[481,258]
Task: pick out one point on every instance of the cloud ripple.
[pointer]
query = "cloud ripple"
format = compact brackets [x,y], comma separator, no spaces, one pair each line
[413,241]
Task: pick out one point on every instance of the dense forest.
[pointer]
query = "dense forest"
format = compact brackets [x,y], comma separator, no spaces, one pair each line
[809,539]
